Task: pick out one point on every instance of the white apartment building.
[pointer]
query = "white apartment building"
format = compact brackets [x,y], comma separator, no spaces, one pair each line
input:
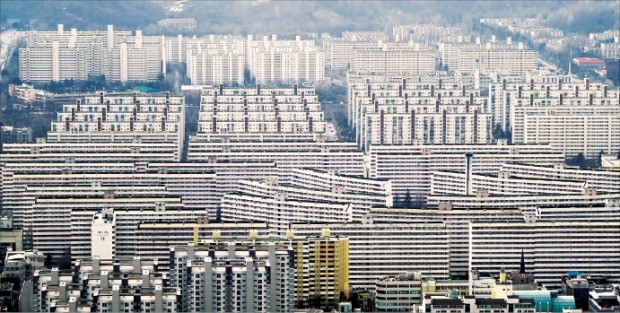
[342,157]
[155,235]
[285,61]
[551,248]
[260,111]
[410,168]
[71,232]
[279,212]
[282,125]
[174,50]
[308,195]
[127,151]
[508,58]
[491,238]
[457,227]
[112,285]
[338,50]
[201,185]
[501,91]
[158,118]
[377,250]
[410,113]
[375,192]
[540,181]
[178,23]
[233,276]
[482,200]
[604,180]
[393,59]
[21,188]
[119,56]
[339,55]
[610,50]
[121,127]
[428,33]
[575,118]
[215,60]
[20,265]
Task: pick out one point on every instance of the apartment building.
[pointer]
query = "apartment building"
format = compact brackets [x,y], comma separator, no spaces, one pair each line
[310,270]
[505,58]
[189,23]
[201,185]
[408,59]
[399,293]
[575,118]
[377,250]
[114,285]
[111,128]
[156,237]
[118,55]
[254,111]
[279,212]
[90,151]
[342,157]
[76,219]
[483,200]
[410,113]
[356,193]
[234,276]
[410,168]
[284,61]
[174,50]
[526,179]
[459,183]
[455,304]
[215,60]
[456,226]
[282,125]
[605,180]
[20,265]
[428,33]
[551,248]
[489,239]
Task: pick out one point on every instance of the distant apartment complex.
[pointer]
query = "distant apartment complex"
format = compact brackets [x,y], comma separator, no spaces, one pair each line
[123,56]
[308,196]
[285,61]
[123,127]
[393,59]
[178,23]
[410,168]
[117,55]
[413,112]
[508,58]
[285,125]
[575,118]
[215,60]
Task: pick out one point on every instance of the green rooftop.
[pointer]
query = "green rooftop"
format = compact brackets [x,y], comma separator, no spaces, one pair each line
[145,89]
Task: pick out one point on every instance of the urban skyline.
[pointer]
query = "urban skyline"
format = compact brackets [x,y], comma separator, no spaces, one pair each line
[462,162]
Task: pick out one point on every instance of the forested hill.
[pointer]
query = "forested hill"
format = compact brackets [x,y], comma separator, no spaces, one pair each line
[295,17]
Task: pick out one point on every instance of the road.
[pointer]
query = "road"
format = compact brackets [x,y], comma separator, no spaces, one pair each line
[548,65]
[8,42]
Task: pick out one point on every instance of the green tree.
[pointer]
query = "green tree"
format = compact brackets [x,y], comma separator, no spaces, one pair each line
[498,132]
[407,203]
[578,160]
